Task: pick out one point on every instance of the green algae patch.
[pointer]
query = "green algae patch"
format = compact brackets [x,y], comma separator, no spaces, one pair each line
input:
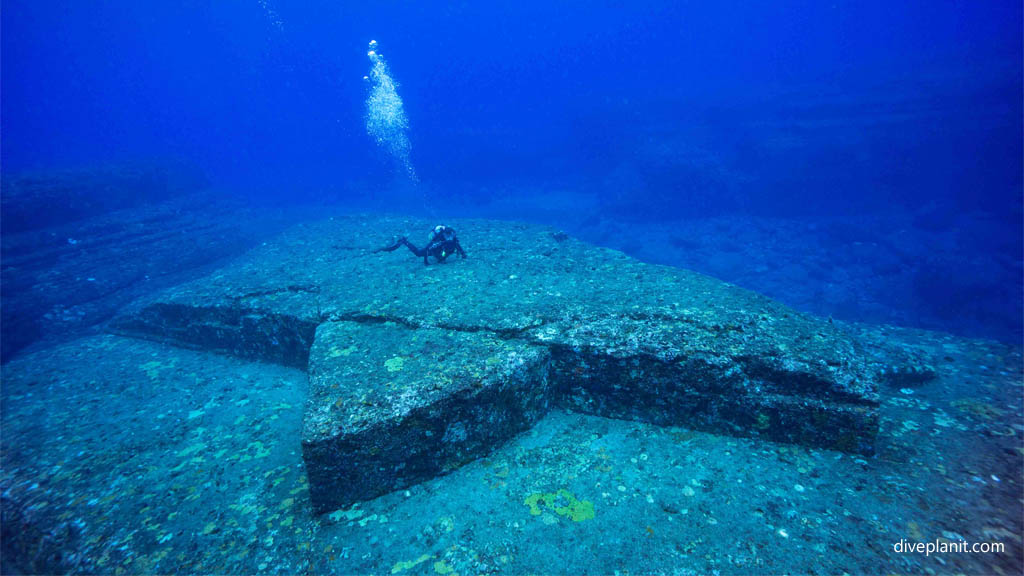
[335,352]
[339,515]
[407,564]
[764,421]
[978,409]
[535,501]
[155,367]
[395,364]
[563,503]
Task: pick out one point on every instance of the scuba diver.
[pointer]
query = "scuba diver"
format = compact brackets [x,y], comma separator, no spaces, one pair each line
[441,244]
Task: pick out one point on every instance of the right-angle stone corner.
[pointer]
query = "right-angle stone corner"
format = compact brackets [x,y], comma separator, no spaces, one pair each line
[390,406]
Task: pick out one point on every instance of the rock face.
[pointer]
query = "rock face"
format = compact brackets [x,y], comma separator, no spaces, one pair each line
[389,406]
[417,369]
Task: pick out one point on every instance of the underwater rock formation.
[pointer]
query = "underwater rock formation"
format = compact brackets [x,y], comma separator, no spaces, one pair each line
[389,407]
[66,273]
[417,369]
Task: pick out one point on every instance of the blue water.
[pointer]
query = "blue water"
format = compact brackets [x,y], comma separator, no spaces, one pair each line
[858,161]
[850,117]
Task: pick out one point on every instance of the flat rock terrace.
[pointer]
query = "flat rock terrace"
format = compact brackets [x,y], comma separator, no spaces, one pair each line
[416,370]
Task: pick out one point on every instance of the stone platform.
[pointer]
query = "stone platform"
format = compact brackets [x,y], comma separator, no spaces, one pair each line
[415,369]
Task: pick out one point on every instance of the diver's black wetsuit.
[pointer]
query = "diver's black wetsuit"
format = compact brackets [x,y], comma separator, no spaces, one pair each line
[442,243]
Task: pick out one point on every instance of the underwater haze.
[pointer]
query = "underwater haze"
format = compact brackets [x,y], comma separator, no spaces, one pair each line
[710,287]
[614,120]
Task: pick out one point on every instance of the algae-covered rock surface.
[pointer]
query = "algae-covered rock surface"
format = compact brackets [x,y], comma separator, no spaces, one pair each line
[627,339]
[607,335]
[541,406]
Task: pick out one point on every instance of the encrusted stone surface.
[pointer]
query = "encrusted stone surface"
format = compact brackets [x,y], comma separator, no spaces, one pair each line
[626,339]
[389,407]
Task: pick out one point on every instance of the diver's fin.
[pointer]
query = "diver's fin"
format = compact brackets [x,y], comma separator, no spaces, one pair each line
[393,246]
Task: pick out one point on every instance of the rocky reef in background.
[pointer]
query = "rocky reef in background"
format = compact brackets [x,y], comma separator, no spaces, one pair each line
[35,200]
[78,246]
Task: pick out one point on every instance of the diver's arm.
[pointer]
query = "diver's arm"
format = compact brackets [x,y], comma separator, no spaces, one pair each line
[458,248]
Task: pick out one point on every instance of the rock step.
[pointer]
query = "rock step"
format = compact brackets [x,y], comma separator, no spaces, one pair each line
[390,407]
[249,334]
[607,335]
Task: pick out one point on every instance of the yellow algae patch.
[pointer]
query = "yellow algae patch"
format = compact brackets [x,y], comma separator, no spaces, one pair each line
[442,567]
[352,514]
[259,450]
[152,369]
[446,522]
[563,503]
[244,508]
[192,449]
[335,352]
[976,408]
[395,364]
[405,565]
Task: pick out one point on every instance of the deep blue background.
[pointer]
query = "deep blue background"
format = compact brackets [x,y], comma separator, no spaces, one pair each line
[659,110]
